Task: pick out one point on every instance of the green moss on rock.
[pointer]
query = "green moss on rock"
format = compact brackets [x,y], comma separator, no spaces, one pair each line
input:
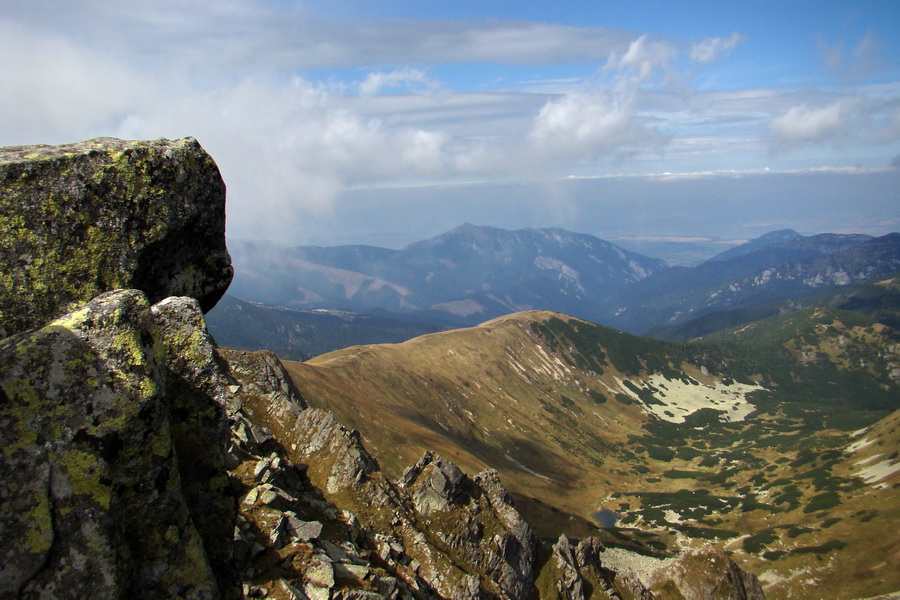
[81,219]
[90,480]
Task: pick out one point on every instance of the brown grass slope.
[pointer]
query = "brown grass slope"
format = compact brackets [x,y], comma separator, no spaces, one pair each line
[578,418]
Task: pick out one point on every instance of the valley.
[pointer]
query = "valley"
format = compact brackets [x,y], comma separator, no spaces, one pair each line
[534,454]
[757,437]
[778,446]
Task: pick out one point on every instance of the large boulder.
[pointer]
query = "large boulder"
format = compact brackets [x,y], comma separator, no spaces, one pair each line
[81,219]
[92,503]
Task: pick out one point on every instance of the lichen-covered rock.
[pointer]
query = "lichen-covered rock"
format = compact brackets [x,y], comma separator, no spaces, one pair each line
[91,486]
[707,573]
[200,414]
[81,219]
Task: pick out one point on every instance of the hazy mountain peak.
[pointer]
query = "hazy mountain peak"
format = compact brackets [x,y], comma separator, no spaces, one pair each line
[767,239]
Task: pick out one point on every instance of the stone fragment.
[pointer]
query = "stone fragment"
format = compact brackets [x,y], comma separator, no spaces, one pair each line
[302,530]
[317,592]
[320,572]
[292,592]
[351,571]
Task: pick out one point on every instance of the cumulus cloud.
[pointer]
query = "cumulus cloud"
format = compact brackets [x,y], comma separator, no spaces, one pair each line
[806,125]
[286,151]
[603,120]
[589,125]
[852,119]
[712,49]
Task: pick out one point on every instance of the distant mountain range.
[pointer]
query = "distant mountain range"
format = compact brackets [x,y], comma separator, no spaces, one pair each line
[790,269]
[462,277]
[472,274]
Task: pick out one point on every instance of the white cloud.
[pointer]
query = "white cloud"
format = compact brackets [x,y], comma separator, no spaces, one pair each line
[805,125]
[404,79]
[587,126]
[643,59]
[53,89]
[711,49]
[252,34]
[852,119]
[226,72]
[603,121]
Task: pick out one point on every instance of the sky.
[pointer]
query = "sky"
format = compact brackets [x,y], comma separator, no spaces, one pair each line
[344,122]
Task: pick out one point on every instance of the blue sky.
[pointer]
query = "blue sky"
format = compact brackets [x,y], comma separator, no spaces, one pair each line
[387,122]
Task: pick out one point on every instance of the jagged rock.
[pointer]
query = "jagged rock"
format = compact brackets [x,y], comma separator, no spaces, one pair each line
[90,478]
[82,219]
[709,574]
[582,576]
[261,374]
[435,484]
[570,584]
[318,431]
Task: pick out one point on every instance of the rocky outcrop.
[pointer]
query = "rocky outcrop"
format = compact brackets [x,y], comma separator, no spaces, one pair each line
[582,575]
[438,532]
[484,531]
[91,481]
[81,219]
[709,574]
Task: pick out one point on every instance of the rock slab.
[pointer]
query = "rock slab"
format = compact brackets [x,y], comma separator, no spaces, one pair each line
[92,494]
[81,219]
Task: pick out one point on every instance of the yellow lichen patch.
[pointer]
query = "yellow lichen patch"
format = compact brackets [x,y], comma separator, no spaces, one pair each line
[86,476]
[39,537]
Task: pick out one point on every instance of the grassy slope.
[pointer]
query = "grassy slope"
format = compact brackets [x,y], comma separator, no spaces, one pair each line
[557,405]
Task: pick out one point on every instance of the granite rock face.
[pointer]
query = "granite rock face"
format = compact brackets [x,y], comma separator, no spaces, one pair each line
[91,483]
[81,219]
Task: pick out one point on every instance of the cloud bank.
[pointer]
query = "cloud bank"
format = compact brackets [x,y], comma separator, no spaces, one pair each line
[298,107]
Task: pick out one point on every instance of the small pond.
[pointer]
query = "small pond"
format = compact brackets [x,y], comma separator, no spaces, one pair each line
[606,518]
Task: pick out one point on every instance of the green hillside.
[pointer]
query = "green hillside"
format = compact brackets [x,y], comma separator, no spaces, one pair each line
[879,299]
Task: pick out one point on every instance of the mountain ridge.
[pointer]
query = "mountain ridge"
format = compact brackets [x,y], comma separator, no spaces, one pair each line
[472,272]
[580,418]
